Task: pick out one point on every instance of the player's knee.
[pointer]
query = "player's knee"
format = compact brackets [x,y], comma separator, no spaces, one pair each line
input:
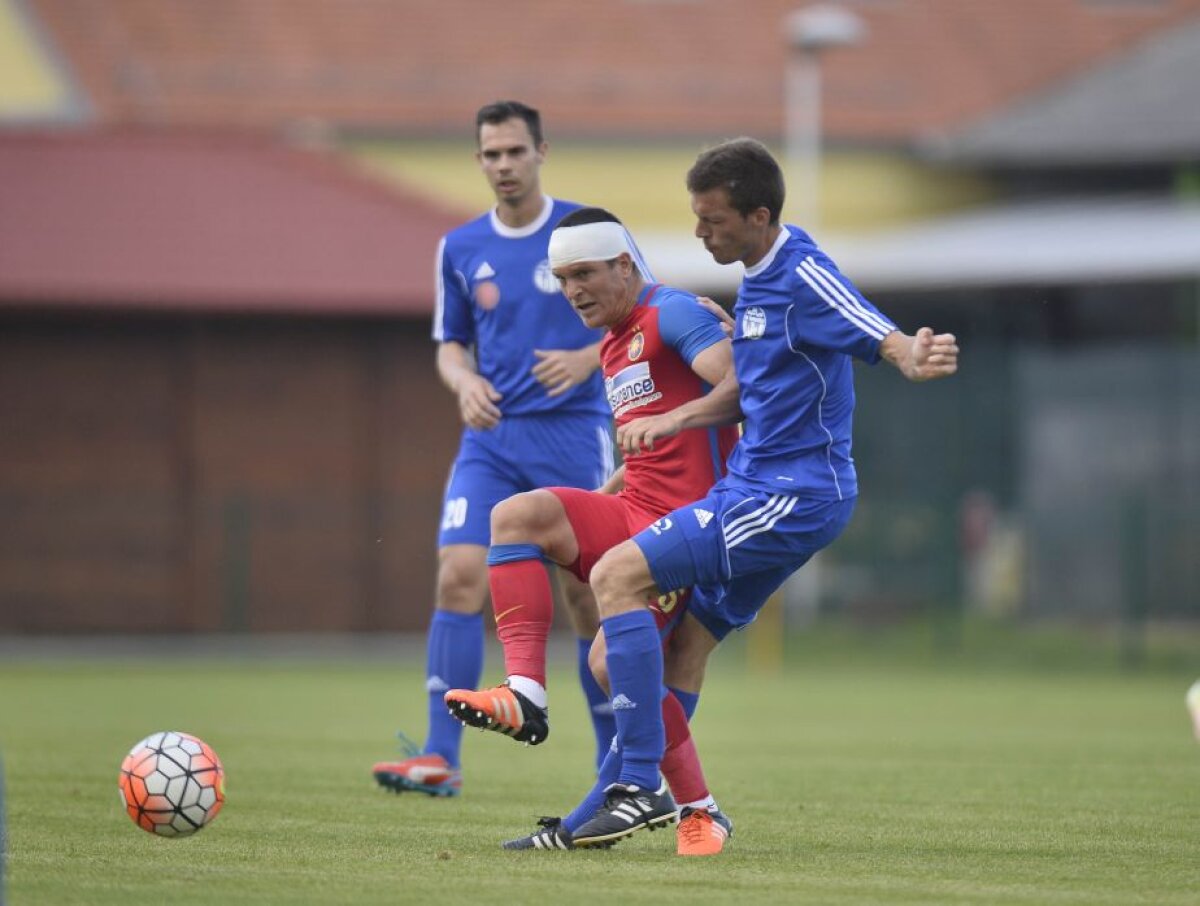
[609,587]
[616,580]
[461,583]
[605,585]
[519,519]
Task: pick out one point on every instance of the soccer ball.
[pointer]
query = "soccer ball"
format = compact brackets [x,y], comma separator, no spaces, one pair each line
[172,784]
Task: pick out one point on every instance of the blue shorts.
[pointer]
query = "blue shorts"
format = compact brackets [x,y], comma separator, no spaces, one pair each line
[736,547]
[522,453]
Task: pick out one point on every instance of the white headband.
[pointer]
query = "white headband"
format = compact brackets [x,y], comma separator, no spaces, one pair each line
[588,242]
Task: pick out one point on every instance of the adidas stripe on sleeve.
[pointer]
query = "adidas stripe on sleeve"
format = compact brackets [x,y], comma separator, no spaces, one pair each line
[831,313]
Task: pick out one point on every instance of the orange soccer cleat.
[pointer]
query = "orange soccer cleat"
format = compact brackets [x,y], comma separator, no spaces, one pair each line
[702,832]
[419,773]
[501,709]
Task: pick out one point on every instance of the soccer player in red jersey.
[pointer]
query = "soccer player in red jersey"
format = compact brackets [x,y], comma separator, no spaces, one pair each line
[661,352]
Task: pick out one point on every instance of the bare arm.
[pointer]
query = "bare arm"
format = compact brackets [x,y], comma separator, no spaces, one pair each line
[719,406]
[923,357]
[477,397]
[558,370]
[615,482]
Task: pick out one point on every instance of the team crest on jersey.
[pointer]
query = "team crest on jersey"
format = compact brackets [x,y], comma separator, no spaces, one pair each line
[630,388]
[487,295]
[754,323]
[636,345]
[543,277]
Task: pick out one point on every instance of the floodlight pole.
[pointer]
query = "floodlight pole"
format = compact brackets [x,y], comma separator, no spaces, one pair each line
[809,32]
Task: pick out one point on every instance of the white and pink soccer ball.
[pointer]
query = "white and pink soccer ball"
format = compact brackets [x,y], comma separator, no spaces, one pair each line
[172,784]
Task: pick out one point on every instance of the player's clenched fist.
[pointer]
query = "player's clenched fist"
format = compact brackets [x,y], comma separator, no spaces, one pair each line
[922,357]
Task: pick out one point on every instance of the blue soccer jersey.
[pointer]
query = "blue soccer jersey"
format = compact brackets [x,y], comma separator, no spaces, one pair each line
[495,291]
[799,322]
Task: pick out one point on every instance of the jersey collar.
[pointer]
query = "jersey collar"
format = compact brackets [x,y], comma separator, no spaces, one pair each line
[530,228]
[769,257]
[645,294]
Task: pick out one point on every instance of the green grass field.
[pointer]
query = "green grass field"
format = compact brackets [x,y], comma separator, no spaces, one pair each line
[855,776]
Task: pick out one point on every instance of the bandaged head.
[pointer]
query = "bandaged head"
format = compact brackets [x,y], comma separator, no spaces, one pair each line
[588,242]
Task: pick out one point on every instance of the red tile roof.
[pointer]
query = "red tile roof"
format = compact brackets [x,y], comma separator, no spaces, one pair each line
[188,222]
[638,67]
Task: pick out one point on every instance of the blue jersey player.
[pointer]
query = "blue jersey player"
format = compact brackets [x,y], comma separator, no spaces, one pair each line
[524,370]
[790,489]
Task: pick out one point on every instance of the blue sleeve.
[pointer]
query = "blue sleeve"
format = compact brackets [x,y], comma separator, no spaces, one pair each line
[452,315]
[830,313]
[685,325]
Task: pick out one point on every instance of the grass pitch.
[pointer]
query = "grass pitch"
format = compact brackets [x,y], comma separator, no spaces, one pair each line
[851,779]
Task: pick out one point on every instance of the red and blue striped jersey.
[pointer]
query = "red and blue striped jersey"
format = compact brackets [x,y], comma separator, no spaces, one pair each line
[647,361]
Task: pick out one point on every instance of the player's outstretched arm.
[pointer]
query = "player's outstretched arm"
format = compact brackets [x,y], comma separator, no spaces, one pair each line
[558,370]
[923,357]
[719,406]
[477,397]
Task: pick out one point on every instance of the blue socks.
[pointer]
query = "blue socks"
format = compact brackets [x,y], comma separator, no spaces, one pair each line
[599,707]
[454,660]
[635,670]
[610,770]
[689,700]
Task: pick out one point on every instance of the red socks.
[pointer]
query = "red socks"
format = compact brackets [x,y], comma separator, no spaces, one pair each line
[524,607]
[680,763]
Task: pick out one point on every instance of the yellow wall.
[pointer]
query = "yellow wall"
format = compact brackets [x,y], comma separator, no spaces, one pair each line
[644,185]
[30,87]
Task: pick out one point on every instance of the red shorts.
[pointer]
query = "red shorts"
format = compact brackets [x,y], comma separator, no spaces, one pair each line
[600,523]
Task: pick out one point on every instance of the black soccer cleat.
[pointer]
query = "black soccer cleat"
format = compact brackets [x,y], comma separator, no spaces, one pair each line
[626,810]
[551,835]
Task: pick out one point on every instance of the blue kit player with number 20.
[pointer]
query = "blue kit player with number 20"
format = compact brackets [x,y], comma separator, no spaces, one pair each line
[524,369]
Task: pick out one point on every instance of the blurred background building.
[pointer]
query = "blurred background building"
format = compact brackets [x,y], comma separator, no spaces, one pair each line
[218,406]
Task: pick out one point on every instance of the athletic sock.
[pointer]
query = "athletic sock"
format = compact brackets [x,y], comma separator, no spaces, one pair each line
[689,700]
[681,762]
[530,688]
[454,660]
[610,770]
[524,607]
[635,670]
[599,707]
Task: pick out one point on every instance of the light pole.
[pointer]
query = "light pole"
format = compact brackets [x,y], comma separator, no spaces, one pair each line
[809,32]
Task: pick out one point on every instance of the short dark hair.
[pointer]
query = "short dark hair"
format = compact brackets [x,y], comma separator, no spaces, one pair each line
[746,170]
[580,216]
[501,111]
